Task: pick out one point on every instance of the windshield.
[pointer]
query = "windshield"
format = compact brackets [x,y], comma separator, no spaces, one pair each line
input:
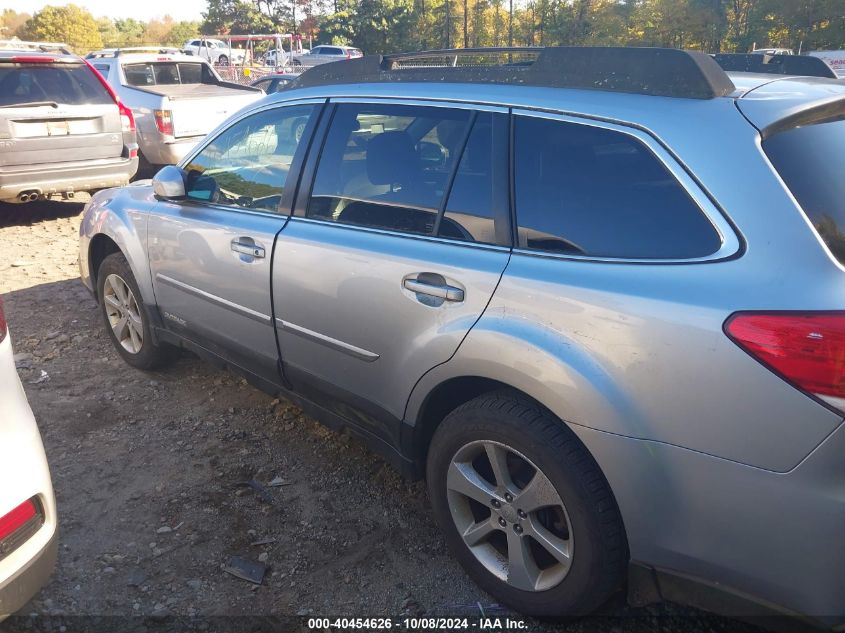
[60,83]
[168,73]
[810,160]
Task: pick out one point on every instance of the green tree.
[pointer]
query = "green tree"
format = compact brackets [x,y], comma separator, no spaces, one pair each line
[131,31]
[70,24]
[182,32]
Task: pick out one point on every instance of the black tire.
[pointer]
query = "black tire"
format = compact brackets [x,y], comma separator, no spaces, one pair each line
[600,555]
[150,355]
[223,60]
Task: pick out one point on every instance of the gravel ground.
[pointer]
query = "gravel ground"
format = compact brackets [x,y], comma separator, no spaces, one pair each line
[149,472]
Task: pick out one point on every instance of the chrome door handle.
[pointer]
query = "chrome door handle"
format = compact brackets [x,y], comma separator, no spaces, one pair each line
[247,248]
[448,293]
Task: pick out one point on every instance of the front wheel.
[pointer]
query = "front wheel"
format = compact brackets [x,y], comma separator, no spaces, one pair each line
[525,508]
[124,316]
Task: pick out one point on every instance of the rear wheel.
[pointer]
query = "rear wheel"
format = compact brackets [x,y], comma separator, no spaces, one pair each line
[525,508]
[124,316]
[223,60]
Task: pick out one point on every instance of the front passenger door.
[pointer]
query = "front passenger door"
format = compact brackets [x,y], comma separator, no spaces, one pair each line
[210,253]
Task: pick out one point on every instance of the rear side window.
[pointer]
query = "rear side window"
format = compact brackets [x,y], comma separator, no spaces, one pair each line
[810,159]
[588,191]
[66,84]
[167,73]
[387,166]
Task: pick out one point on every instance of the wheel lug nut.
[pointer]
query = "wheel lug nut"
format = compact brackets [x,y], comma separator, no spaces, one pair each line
[521,514]
[508,497]
[517,528]
[502,522]
[495,503]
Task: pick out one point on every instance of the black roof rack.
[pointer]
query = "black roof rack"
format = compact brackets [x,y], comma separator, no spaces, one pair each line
[662,72]
[775,64]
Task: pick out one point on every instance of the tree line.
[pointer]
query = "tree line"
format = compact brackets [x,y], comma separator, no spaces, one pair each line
[83,32]
[384,26]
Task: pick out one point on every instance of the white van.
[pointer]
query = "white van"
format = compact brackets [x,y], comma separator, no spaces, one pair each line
[834,59]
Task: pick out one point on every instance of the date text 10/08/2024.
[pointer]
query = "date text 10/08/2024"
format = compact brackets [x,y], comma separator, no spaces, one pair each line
[418,624]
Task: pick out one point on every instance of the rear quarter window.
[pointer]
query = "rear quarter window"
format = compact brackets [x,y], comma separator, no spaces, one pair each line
[810,160]
[588,191]
[66,84]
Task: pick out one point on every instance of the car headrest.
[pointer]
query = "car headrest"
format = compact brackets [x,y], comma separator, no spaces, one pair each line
[392,159]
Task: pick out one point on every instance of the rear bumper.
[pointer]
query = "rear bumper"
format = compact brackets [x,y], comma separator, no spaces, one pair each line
[774,539]
[66,177]
[159,152]
[28,581]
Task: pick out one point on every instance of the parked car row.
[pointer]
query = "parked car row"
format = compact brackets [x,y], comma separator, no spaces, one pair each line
[612,343]
[176,99]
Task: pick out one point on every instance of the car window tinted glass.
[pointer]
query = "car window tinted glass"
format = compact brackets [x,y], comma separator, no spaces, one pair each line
[469,211]
[584,190]
[809,159]
[66,84]
[167,73]
[247,165]
[387,166]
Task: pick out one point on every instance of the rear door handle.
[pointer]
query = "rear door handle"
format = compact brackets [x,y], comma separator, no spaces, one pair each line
[245,247]
[445,292]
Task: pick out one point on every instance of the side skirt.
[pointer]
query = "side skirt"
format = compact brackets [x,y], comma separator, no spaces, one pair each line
[391,454]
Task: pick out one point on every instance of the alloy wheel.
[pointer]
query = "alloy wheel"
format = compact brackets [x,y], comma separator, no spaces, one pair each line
[510,516]
[123,313]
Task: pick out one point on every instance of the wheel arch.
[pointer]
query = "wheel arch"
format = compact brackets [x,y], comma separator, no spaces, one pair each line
[101,246]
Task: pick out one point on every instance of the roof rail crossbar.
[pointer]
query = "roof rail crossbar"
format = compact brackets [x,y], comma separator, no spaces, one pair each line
[648,71]
[805,66]
[44,47]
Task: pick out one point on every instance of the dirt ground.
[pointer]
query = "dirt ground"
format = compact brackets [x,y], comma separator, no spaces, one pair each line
[149,472]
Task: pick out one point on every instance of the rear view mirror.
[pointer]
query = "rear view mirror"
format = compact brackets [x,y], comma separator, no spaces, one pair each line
[169,183]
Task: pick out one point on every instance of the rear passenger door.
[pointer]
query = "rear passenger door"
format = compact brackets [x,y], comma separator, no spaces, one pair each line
[393,256]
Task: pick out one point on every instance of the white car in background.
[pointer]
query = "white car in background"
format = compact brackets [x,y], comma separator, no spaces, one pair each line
[28,535]
[215,51]
[323,54]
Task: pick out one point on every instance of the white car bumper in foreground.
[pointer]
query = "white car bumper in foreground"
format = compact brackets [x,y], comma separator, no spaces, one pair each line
[28,553]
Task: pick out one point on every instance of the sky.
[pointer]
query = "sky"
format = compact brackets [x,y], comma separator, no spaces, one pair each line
[144,10]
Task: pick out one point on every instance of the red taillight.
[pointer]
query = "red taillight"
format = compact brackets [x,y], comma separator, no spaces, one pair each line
[164,122]
[17,518]
[807,349]
[127,119]
[3,327]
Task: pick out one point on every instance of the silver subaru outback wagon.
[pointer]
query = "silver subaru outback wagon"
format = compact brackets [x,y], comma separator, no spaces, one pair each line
[596,297]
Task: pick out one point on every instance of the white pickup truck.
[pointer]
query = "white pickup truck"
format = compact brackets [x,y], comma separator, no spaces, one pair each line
[177,99]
